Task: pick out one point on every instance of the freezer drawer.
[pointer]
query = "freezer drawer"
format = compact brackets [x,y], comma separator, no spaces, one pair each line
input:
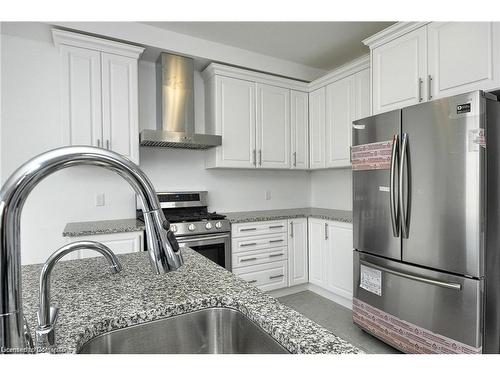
[416,309]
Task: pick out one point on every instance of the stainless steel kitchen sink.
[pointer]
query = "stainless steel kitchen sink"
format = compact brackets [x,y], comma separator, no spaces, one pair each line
[210,331]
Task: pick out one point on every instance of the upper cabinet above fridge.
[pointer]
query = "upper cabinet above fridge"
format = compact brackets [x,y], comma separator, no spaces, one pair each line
[415,62]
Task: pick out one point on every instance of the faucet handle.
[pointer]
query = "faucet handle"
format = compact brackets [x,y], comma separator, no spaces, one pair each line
[46,334]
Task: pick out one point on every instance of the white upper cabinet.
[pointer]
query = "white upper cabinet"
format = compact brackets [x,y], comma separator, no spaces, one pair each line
[273,127]
[362,103]
[415,62]
[299,145]
[99,93]
[317,104]
[399,71]
[463,56]
[254,113]
[232,115]
[339,116]
[120,105]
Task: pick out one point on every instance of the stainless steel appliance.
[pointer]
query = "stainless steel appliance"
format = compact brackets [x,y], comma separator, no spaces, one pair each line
[206,232]
[426,216]
[175,107]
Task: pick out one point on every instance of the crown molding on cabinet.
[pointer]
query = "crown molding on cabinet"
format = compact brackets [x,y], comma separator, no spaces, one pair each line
[250,75]
[343,71]
[62,37]
[392,32]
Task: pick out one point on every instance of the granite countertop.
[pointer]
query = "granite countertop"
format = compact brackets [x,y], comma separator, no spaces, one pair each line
[93,301]
[87,228]
[320,213]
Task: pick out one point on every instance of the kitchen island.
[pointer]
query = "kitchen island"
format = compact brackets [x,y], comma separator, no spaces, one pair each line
[93,301]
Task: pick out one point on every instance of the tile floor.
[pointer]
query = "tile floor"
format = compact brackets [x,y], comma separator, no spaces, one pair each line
[335,318]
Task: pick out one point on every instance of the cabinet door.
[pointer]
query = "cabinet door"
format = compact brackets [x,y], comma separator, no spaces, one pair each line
[119,243]
[300,130]
[317,247]
[362,101]
[81,95]
[297,252]
[119,105]
[235,122]
[338,259]
[317,128]
[339,116]
[463,57]
[399,71]
[273,126]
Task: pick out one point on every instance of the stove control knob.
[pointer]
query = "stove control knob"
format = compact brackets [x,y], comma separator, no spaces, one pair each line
[218,225]
[173,228]
[208,226]
[191,227]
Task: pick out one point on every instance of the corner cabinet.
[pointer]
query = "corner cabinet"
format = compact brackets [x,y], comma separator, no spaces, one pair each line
[414,62]
[262,119]
[99,87]
[343,98]
[297,252]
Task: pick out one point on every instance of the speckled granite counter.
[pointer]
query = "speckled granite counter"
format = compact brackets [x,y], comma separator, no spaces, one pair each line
[320,213]
[87,228]
[93,301]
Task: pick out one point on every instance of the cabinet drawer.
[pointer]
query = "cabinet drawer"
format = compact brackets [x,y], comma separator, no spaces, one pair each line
[250,258]
[267,276]
[244,244]
[256,228]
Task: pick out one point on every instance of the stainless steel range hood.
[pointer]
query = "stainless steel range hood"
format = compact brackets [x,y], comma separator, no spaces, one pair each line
[175,107]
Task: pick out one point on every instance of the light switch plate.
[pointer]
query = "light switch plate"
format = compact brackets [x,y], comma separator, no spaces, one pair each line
[268,195]
[100,200]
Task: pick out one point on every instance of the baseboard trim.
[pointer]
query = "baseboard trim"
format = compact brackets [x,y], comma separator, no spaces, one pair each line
[341,300]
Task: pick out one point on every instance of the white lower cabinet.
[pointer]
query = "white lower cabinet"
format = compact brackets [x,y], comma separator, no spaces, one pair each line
[268,276]
[330,256]
[119,243]
[297,252]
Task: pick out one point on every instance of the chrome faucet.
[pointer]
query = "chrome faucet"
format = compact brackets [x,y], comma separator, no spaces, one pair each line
[47,313]
[164,254]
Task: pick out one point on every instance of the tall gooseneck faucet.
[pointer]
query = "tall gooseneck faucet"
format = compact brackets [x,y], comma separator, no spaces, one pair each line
[164,254]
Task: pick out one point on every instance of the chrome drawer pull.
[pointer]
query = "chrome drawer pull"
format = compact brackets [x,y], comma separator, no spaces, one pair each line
[273,241]
[247,259]
[275,226]
[251,281]
[248,244]
[276,255]
[247,229]
[275,277]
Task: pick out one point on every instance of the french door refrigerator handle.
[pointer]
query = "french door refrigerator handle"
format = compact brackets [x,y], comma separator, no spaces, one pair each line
[440,283]
[404,210]
[392,187]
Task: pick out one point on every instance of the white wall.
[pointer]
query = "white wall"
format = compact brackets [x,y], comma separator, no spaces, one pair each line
[331,188]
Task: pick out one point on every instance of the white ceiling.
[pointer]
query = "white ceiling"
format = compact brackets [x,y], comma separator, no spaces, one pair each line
[323,45]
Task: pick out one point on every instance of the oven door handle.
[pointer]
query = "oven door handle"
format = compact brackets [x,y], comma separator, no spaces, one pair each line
[201,238]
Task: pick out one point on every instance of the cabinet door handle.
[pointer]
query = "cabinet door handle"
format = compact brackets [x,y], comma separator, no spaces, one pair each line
[274,241]
[247,259]
[275,226]
[294,159]
[247,229]
[276,255]
[251,281]
[326,231]
[260,157]
[254,158]
[107,144]
[248,244]
[276,276]
[98,142]
[291,229]
[420,82]
[429,87]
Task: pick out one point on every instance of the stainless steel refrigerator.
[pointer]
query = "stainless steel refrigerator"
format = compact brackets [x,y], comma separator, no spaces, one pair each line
[426,219]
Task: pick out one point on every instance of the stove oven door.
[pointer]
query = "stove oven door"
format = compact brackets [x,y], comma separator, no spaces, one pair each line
[216,247]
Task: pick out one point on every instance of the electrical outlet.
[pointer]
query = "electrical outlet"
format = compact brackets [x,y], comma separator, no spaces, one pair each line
[268,195]
[100,200]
